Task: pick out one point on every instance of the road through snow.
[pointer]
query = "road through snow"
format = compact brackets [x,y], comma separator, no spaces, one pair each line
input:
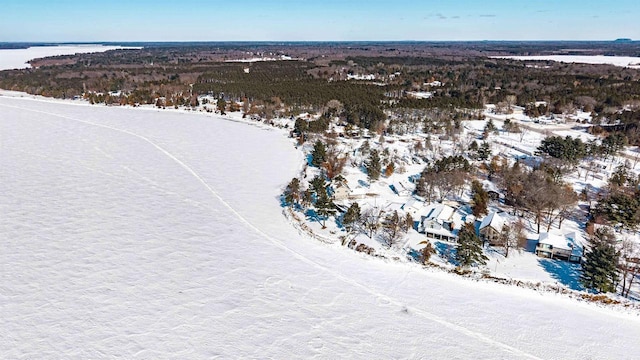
[146,234]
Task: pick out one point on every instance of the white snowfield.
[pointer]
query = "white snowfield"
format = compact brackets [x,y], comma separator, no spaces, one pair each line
[156,234]
[18,58]
[623,61]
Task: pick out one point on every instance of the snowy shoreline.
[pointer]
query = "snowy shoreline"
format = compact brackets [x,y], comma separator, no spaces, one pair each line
[554,289]
[123,238]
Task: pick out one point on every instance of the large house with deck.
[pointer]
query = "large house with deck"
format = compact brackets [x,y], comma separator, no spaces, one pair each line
[442,222]
[565,247]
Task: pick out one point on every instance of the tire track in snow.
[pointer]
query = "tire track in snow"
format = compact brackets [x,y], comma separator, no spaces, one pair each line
[383,300]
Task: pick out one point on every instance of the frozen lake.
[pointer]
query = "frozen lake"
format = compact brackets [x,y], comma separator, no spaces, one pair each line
[17,58]
[623,61]
[129,233]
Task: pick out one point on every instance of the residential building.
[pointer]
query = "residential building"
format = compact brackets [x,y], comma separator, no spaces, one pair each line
[491,227]
[565,247]
[442,222]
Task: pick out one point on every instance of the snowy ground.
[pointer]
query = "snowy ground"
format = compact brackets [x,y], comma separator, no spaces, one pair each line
[624,61]
[149,234]
[17,58]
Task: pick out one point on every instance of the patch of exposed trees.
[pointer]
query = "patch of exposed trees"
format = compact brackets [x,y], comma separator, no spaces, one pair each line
[443,178]
[546,198]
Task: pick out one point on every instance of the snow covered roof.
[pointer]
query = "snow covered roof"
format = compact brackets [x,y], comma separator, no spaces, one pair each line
[569,241]
[490,186]
[495,219]
[413,204]
[438,230]
[438,215]
[420,94]
[400,188]
[439,212]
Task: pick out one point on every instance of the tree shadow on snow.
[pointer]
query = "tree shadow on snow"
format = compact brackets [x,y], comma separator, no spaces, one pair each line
[313,215]
[566,273]
[446,252]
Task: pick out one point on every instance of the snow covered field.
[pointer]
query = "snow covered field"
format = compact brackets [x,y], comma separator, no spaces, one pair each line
[157,234]
[624,61]
[17,58]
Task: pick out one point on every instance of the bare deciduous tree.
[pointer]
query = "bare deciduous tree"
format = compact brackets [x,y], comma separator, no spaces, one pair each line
[394,226]
[508,238]
[334,161]
[520,234]
[370,220]
[426,251]
[629,265]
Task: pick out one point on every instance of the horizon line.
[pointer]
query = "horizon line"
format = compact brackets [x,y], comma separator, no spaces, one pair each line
[307,41]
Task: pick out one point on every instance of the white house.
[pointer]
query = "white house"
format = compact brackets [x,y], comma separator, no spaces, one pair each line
[416,209]
[419,94]
[442,222]
[433,83]
[361,77]
[517,110]
[566,247]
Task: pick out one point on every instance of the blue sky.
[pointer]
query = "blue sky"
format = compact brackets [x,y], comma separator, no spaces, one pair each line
[300,20]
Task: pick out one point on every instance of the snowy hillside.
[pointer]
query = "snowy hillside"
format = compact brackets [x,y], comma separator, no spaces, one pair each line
[147,234]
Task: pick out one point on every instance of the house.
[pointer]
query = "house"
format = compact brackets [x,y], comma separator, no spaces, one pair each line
[433,83]
[490,108]
[341,191]
[442,222]
[414,207]
[565,247]
[417,210]
[401,189]
[517,110]
[491,227]
[492,190]
[419,94]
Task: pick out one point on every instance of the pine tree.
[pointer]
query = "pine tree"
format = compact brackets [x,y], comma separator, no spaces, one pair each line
[373,165]
[325,207]
[480,199]
[319,153]
[489,127]
[484,152]
[351,217]
[319,186]
[306,197]
[222,105]
[469,250]
[599,270]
